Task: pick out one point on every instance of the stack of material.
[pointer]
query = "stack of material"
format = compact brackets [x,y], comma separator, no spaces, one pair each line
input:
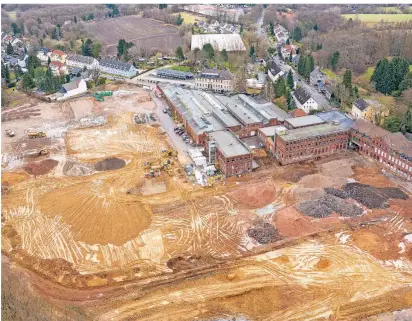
[264,233]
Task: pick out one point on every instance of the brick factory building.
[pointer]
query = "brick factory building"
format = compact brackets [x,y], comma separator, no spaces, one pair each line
[328,134]
[227,151]
[391,150]
[214,80]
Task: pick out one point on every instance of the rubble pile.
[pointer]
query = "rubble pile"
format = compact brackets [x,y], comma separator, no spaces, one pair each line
[264,232]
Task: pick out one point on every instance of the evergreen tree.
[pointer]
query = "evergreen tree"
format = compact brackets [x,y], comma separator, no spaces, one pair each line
[251,51]
[15,29]
[90,16]
[290,56]
[162,6]
[400,68]
[75,19]
[208,50]
[48,61]
[290,101]
[115,12]
[290,81]
[406,124]
[41,42]
[54,34]
[393,124]
[347,80]
[39,22]
[21,28]
[280,87]
[297,34]
[377,73]
[406,82]
[9,49]
[3,70]
[309,66]
[280,52]
[271,29]
[301,65]
[355,92]
[288,41]
[335,60]
[224,55]
[384,82]
[27,82]
[241,28]
[17,70]
[67,78]
[315,27]
[179,19]
[179,54]
[96,48]
[7,74]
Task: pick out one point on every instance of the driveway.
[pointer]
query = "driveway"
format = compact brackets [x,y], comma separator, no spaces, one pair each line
[318,97]
[169,125]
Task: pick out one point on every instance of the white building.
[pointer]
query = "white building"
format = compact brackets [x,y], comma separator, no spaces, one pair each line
[78,61]
[230,42]
[119,68]
[73,88]
[43,55]
[274,71]
[214,80]
[304,101]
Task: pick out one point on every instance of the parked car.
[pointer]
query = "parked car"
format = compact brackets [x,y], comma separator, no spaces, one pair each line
[165,111]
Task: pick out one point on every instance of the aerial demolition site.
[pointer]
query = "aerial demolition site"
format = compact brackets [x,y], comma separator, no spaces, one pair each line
[100,216]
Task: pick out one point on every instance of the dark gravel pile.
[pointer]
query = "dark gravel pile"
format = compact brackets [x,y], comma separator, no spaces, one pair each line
[264,233]
[109,164]
[326,205]
[314,208]
[336,192]
[393,192]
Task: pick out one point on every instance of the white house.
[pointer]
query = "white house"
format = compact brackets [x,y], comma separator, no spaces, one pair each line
[78,61]
[43,54]
[304,101]
[117,68]
[274,71]
[75,87]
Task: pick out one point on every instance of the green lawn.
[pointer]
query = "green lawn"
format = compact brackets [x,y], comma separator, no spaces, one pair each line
[181,68]
[410,68]
[12,15]
[331,75]
[372,19]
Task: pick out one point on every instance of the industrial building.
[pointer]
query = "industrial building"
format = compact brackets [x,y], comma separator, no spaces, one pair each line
[392,150]
[229,153]
[173,74]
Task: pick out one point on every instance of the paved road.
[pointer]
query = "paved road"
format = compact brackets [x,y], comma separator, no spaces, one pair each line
[260,31]
[320,98]
[168,125]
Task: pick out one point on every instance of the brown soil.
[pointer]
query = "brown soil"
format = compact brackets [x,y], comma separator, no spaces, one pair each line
[253,196]
[12,178]
[295,173]
[371,176]
[323,263]
[290,223]
[41,168]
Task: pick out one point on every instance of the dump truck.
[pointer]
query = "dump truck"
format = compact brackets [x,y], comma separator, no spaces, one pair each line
[38,134]
[10,133]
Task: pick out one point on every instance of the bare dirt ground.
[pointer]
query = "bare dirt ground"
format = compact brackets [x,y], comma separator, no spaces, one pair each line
[89,230]
[143,32]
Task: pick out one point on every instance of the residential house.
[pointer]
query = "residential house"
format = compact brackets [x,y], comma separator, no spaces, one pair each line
[44,54]
[117,68]
[317,77]
[81,62]
[369,110]
[286,50]
[58,68]
[22,60]
[274,71]
[10,61]
[17,44]
[75,87]
[328,91]
[58,56]
[215,80]
[304,101]
[295,59]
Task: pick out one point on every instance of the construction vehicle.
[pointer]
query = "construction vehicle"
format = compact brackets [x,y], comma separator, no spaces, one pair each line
[36,134]
[36,153]
[10,133]
[100,94]
[169,152]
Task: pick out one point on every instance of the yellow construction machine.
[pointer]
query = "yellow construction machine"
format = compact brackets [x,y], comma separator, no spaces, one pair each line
[169,152]
[36,134]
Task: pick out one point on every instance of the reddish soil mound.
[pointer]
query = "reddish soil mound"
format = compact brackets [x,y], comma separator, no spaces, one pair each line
[41,168]
[254,196]
[290,223]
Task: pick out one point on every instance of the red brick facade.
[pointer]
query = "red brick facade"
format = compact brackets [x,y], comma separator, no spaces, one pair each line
[293,151]
[231,166]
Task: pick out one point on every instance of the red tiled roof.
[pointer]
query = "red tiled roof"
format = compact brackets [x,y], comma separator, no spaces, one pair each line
[297,113]
[57,64]
[58,52]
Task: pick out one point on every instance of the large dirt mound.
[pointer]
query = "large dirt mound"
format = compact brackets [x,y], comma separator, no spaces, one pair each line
[257,195]
[71,168]
[110,163]
[41,168]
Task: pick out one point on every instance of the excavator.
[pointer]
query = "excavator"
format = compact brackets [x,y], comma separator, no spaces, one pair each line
[169,153]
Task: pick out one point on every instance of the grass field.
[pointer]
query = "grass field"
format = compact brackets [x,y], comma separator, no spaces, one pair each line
[12,15]
[181,68]
[190,18]
[372,19]
[331,75]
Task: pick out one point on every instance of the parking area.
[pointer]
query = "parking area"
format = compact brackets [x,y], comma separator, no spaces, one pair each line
[169,125]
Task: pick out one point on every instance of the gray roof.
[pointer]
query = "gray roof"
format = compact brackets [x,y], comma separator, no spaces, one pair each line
[316,72]
[239,110]
[271,130]
[115,64]
[312,131]
[229,144]
[215,73]
[74,84]
[361,104]
[336,116]
[274,68]
[81,59]
[305,121]
[301,95]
